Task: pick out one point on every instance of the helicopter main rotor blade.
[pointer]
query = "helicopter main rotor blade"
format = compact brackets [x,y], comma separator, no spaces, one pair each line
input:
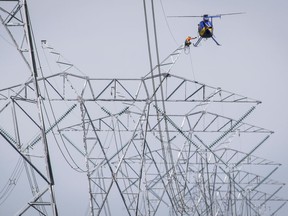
[182,16]
[209,16]
[226,14]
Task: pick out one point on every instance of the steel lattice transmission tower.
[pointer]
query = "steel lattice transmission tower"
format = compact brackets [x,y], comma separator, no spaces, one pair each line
[156,145]
[14,17]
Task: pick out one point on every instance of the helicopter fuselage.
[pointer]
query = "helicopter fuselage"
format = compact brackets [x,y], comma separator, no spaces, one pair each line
[205,29]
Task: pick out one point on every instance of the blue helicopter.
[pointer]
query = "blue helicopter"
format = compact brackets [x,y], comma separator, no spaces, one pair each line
[205,27]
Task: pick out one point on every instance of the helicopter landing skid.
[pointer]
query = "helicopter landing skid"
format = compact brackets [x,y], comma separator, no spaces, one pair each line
[197,42]
[215,41]
[200,38]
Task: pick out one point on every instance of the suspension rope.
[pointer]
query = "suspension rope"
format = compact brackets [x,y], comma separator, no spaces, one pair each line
[166,21]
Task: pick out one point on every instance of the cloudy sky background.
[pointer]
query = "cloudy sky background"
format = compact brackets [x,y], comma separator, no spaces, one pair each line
[108,39]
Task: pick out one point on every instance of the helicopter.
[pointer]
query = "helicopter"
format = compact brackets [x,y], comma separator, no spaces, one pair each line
[205,27]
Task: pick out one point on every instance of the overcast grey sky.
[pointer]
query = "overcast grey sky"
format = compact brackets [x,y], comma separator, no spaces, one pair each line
[102,37]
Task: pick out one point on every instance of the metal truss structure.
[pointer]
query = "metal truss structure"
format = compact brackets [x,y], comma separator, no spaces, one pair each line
[157,145]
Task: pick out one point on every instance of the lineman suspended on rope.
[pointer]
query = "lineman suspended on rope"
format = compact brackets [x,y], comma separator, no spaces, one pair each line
[188,41]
